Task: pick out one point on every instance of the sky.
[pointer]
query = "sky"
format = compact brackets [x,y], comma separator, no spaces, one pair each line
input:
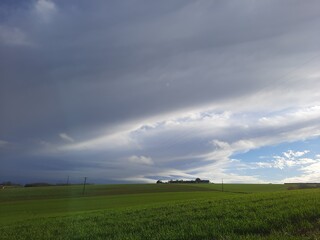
[134,91]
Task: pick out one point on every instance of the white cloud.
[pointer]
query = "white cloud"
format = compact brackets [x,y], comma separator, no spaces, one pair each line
[66,137]
[295,116]
[140,179]
[141,160]
[288,159]
[293,154]
[313,168]
[223,150]
[118,140]
[171,142]
[310,173]
[45,9]
[304,161]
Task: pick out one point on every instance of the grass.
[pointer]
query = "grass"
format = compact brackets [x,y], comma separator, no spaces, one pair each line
[161,212]
[245,188]
[71,191]
[22,204]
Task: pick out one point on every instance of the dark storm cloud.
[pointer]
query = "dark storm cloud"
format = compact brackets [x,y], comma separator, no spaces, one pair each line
[109,62]
[78,67]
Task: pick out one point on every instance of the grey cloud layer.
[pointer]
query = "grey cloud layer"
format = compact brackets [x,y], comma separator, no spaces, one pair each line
[78,70]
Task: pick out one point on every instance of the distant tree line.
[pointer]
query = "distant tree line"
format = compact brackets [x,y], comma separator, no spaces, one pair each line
[197,180]
[39,184]
[292,186]
[9,184]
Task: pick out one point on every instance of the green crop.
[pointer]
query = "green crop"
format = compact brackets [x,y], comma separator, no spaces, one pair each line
[178,212]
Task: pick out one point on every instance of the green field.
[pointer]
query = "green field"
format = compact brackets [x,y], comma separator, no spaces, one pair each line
[160,211]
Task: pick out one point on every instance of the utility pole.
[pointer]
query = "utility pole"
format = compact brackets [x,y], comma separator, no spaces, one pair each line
[84,185]
[222,185]
[68,180]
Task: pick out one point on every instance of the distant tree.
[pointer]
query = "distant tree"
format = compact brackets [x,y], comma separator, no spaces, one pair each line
[10,184]
[198,180]
[7,183]
[159,181]
[38,185]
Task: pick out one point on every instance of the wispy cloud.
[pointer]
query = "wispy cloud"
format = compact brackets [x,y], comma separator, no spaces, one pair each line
[66,137]
[14,36]
[203,143]
[141,160]
[3,143]
[309,173]
[118,140]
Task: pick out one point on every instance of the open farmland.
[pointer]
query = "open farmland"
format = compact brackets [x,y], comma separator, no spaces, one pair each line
[149,211]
